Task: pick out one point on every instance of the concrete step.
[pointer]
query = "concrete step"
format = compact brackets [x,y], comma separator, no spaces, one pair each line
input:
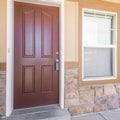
[51,112]
[39,109]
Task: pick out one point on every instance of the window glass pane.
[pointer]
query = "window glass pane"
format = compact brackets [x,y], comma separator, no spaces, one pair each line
[98,62]
[98,30]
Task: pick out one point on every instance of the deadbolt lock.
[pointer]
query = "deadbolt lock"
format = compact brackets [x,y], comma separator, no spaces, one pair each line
[57,65]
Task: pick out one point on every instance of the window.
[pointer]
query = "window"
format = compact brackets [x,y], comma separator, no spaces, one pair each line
[99,46]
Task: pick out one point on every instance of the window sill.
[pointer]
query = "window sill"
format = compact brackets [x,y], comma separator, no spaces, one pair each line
[99,78]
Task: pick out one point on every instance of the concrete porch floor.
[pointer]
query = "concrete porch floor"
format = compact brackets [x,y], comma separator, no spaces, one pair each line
[109,115]
[53,112]
[48,112]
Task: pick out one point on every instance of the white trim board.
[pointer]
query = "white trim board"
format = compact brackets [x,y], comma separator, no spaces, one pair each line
[10,49]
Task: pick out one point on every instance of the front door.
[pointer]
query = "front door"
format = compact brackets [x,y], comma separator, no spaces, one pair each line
[36,38]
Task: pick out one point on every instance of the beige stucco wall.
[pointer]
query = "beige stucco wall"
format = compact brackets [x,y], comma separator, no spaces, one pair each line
[2,31]
[117,1]
[92,96]
[71,31]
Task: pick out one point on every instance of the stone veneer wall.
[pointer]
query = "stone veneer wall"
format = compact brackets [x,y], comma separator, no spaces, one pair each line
[89,98]
[2,92]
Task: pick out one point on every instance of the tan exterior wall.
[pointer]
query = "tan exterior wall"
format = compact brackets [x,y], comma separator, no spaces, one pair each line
[92,96]
[71,31]
[117,1]
[2,31]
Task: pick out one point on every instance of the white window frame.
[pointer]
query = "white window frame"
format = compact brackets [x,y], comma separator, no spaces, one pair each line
[98,46]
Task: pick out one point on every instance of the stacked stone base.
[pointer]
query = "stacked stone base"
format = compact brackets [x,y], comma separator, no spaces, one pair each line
[2,93]
[90,98]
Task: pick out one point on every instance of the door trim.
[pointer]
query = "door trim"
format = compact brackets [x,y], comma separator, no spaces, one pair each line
[10,49]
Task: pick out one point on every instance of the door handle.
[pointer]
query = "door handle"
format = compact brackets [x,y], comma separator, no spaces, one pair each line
[57,65]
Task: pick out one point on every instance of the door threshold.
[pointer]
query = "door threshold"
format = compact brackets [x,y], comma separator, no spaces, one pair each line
[37,109]
[52,112]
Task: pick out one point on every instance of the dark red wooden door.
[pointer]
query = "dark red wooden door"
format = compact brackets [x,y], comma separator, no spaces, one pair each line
[36,40]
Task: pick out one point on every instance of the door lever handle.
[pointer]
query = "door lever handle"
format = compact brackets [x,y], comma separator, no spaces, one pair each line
[57,65]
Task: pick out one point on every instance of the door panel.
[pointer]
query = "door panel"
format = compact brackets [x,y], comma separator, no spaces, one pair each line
[28,77]
[28,28]
[36,43]
[47,39]
[47,78]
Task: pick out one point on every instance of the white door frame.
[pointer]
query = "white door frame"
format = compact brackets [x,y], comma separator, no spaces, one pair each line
[10,50]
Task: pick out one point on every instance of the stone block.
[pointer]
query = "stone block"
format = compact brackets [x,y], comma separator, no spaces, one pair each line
[117,85]
[70,80]
[2,110]
[109,89]
[71,102]
[96,86]
[2,92]
[98,91]
[75,77]
[101,100]
[113,102]
[78,110]
[2,100]
[87,97]
[2,84]
[71,91]
[84,88]
[75,110]
[118,91]
[2,75]
[71,71]
[99,108]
